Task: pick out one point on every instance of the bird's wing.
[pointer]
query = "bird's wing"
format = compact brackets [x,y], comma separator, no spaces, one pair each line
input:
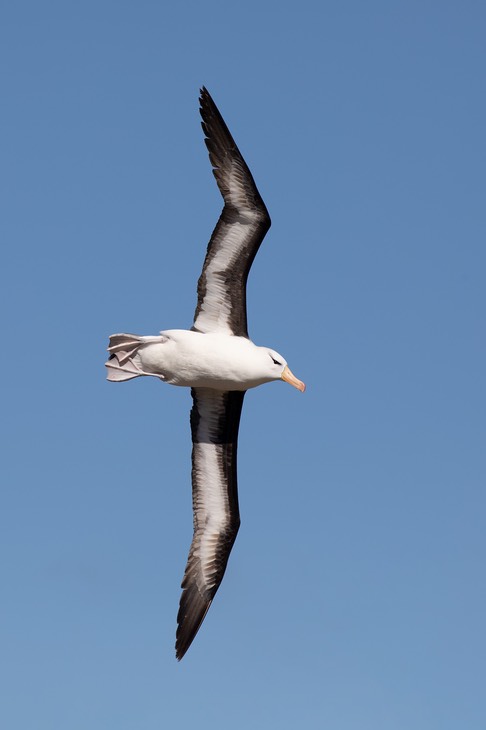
[244,221]
[215,418]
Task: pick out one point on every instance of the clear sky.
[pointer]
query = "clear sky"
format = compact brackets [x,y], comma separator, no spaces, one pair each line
[355,595]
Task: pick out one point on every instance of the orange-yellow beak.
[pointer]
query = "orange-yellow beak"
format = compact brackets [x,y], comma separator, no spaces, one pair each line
[289,377]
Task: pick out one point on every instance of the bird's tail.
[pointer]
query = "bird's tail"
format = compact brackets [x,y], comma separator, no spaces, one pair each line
[124,363]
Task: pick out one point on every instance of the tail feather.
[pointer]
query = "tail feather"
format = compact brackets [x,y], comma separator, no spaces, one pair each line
[123,364]
[124,342]
[119,371]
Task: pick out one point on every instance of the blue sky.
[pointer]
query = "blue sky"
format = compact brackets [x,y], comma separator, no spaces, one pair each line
[355,594]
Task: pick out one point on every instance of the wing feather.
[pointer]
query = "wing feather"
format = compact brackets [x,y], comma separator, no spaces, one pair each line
[215,418]
[244,221]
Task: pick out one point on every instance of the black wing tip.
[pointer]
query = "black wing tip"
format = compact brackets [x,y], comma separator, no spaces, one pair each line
[223,151]
[192,612]
[205,100]
[210,116]
[204,94]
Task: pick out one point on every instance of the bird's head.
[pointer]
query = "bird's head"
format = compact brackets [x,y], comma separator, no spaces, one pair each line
[279,369]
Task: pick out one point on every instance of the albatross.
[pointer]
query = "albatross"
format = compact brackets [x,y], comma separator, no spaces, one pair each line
[219,362]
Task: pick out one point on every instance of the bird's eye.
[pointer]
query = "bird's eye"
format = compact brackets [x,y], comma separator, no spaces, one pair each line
[275,362]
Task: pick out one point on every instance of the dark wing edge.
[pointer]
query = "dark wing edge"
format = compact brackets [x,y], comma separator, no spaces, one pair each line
[239,232]
[215,418]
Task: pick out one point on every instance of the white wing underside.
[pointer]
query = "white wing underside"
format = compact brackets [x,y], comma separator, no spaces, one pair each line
[217,308]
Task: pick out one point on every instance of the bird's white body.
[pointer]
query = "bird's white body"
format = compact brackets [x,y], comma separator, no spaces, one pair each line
[210,360]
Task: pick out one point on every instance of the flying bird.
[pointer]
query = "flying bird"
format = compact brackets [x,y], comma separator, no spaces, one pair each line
[219,362]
